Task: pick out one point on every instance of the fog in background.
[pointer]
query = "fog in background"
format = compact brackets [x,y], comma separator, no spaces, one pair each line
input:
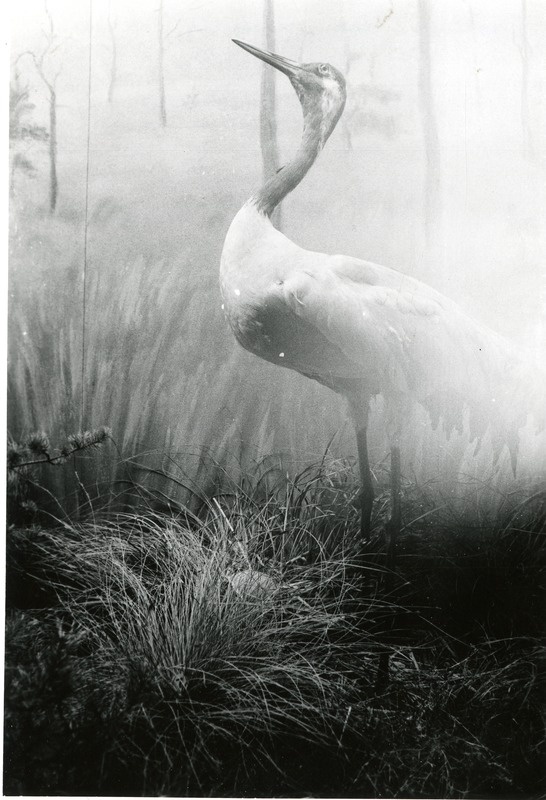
[436,168]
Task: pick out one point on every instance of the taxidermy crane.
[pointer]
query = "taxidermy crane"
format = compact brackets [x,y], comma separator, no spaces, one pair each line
[356,327]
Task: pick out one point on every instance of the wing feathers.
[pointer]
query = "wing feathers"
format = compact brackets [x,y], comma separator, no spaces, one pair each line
[401,337]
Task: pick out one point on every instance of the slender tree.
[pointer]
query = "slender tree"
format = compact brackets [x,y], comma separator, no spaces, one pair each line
[525,108]
[114,57]
[268,105]
[49,79]
[23,132]
[432,200]
[163,39]
[161,72]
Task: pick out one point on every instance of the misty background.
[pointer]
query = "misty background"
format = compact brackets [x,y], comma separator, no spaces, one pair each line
[436,168]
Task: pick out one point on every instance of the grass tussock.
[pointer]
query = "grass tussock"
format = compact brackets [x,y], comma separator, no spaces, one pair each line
[236,652]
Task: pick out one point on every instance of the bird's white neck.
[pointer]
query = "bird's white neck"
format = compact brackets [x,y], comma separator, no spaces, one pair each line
[319,120]
[288,177]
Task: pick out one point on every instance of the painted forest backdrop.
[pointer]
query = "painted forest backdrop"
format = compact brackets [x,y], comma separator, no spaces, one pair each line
[136,132]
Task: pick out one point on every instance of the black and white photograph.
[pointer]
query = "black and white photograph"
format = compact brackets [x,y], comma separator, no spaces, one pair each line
[276,399]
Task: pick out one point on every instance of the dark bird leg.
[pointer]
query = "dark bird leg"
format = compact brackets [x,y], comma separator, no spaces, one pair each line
[392,530]
[360,407]
[366,491]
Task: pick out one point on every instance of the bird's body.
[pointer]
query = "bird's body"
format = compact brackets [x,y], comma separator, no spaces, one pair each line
[358,328]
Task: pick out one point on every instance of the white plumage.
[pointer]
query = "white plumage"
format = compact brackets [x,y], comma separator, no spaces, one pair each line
[359,328]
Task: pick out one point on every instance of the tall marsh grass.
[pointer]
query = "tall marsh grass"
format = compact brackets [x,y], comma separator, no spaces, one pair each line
[154,354]
[153,360]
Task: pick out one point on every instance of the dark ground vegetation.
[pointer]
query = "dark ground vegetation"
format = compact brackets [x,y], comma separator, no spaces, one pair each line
[136,663]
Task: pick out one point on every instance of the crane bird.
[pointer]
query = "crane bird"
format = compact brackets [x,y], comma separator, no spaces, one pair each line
[356,327]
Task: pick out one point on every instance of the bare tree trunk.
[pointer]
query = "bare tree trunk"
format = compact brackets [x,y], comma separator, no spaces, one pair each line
[161,75]
[350,57]
[271,163]
[525,115]
[53,185]
[50,84]
[12,178]
[113,63]
[432,209]
[268,108]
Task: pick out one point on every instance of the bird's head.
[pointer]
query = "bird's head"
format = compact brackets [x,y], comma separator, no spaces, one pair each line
[320,87]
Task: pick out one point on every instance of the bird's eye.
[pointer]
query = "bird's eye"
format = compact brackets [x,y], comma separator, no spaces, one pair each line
[323,69]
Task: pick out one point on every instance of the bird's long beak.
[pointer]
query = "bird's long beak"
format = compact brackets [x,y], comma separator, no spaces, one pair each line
[279,62]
